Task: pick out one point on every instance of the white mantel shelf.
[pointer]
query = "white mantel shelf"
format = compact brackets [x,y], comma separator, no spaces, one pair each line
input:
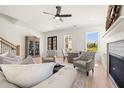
[116,27]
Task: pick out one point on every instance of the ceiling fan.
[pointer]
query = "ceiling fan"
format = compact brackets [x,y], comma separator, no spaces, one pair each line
[58,14]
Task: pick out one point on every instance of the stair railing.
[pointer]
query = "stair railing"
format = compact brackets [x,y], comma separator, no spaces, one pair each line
[7,46]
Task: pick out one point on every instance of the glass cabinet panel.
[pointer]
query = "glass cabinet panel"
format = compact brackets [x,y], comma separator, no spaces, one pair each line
[32,46]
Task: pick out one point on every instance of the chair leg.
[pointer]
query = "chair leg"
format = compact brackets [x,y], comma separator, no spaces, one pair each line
[93,70]
[87,73]
[63,59]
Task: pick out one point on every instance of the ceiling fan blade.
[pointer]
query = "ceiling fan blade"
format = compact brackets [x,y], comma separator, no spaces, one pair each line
[48,13]
[58,10]
[66,15]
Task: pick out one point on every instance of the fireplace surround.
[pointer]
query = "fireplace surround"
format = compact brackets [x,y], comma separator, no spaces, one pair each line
[113,40]
[116,62]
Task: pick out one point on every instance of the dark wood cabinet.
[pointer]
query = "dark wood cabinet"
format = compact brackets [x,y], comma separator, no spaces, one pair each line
[52,43]
[32,46]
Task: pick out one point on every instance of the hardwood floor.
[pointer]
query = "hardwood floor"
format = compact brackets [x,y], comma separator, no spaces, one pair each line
[98,79]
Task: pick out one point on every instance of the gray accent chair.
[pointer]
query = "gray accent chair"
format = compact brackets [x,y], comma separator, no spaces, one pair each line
[85,61]
[50,56]
[71,56]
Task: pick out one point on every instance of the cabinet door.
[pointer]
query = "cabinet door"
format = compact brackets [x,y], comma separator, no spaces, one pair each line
[37,48]
[31,48]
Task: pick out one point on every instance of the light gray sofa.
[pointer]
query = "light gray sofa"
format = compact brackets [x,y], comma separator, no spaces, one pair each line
[85,61]
[64,78]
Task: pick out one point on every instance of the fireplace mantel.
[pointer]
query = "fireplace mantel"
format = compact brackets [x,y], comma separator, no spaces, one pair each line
[118,26]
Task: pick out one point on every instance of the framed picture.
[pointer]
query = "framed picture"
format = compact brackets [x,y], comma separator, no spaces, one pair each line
[112,15]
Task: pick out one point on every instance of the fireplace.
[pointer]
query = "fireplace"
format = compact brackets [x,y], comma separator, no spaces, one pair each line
[116,69]
[116,62]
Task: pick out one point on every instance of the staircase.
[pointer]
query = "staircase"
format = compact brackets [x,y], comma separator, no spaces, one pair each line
[7,46]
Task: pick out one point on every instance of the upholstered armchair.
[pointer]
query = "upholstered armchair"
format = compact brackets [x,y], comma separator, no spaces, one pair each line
[50,56]
[85,61]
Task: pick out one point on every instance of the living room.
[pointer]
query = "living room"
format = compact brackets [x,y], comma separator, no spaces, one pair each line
[70,26]
[73,32]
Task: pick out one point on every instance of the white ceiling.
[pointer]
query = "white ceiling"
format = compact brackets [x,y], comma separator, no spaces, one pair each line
[82,15]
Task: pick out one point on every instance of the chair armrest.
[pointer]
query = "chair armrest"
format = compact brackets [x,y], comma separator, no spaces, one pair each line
[76,58]
[90,64]
[89,61]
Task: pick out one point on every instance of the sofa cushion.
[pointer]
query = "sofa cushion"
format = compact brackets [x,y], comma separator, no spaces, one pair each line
[64,78]
[27,75]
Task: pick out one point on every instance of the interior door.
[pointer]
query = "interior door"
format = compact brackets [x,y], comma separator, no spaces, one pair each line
[52,43]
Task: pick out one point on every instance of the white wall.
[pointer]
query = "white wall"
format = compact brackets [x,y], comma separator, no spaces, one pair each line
[77,45]
[78,37]
[103,49]
[16,34]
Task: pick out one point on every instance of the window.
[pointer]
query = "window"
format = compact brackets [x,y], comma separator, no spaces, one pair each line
[52,43]
[68,42]
[92,41]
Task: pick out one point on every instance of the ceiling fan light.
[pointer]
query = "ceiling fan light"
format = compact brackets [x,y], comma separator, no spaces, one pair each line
[57,18]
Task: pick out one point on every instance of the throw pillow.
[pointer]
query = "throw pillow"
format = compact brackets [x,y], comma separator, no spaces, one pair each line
[28,60]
